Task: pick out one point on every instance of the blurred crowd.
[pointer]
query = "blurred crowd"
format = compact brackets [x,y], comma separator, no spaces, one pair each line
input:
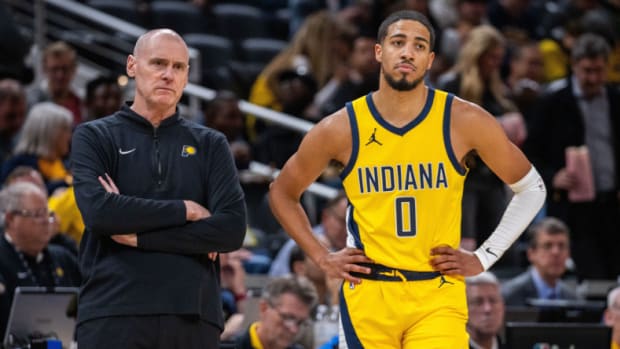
[549,71]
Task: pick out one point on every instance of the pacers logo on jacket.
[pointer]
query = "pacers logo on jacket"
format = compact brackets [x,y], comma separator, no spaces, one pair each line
[188,150]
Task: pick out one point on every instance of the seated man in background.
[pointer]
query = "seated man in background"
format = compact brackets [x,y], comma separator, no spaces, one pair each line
[59,227]
[332,230]
[612,316]
[26,258]
[284,307]
[486,311]
[548,252]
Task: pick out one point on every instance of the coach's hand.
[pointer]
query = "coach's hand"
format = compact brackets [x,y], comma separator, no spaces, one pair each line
[130,240]
[339,264]
[450,261]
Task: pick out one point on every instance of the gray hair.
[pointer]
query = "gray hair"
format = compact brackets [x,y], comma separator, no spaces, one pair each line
[590,46]
[549,225]
[484,278]
[42,127]
[297,286]
[611,297]
[12,197]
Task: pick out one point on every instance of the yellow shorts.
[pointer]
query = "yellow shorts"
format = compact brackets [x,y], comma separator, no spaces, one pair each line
[429,314]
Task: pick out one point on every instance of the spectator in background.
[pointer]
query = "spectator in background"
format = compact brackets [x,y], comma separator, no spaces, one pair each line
[471,13]
[319,49]
[63,231]
[103,97]
[59,66]
[284,307]
[582,110]
[525,79]
[476,77]
[486,311]
[362,77]
[332,230]
[275,144]
[612,316]
[223,114]
[44,144]
[234,292]
[548,253]
[26,258]
[25,174]
[327,288]
[12,115]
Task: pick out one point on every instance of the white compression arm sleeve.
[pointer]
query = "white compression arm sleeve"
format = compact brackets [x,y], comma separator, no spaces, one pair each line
[528,199]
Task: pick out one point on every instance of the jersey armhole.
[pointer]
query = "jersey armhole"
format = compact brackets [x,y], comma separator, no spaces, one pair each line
[354,141]
[446,135]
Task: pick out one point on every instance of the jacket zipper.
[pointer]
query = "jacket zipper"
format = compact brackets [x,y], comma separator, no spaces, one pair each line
[157,158]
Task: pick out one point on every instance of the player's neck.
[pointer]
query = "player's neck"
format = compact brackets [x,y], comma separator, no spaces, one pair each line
[399,107]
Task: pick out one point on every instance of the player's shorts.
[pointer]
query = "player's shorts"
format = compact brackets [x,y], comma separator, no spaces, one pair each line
[387,312]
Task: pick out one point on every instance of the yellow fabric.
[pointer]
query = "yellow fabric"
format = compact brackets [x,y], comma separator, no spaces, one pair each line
[613,74]
[256,344]
[405,193]
[408,315]
[555,60]
[68,214]
[615,345]
[53,170]
[260,94]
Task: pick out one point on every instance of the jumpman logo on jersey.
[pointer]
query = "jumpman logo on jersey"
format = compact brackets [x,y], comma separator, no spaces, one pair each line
[442,281]
[373,139]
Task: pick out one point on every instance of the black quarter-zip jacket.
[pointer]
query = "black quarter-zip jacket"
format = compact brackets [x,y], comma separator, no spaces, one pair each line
[155,169]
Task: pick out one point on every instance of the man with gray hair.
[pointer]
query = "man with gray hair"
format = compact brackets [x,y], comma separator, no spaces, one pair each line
[612,316]
[59,63]
[548,252]
[284,307]
[160,196]
[582,110]
[26,257]
[486,311]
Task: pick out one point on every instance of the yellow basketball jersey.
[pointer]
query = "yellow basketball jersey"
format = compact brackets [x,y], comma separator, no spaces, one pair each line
[404,184]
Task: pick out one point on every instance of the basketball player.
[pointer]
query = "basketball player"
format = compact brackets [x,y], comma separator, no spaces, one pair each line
[403,148]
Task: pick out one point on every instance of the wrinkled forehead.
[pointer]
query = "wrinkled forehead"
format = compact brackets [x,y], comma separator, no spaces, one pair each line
[161,43]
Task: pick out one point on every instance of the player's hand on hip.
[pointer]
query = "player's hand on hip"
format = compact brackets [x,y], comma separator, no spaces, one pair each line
[450,261]
[341,263]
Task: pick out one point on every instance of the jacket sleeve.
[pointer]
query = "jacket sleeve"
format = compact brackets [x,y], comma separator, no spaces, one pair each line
[536,146]
[224,230]
[106,214]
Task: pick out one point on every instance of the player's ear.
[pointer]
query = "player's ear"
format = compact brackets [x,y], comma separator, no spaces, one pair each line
[131,66]
[431,58]
[378,52]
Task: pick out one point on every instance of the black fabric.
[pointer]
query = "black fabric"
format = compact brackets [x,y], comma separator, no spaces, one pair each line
[383,273]
[58,268]
[148,332]
[557,125]
[155,169]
